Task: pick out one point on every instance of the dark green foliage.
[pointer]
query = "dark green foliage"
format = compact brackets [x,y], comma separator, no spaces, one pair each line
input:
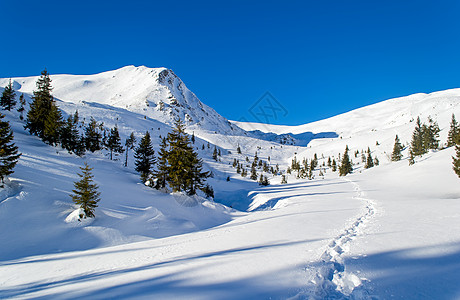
[416,147]
[453,137]
[85,192]
[397,148]
[144,156]
[129,144]
[8,101]
[369,160]
[185,168]
[208,191]
[8,150]
[214,154]
[114,142]
[44,118]
[22,103]
[244,173]
[69,136]
[430,135]
[263,180]
[162,170]
[93,136]
[424,138]
[283,179]
[253,173]
[456,160]
[334,165]
[193,138]
[238,149]
[346,167]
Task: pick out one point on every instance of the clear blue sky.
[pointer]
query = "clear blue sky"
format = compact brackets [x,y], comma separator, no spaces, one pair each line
[318,58]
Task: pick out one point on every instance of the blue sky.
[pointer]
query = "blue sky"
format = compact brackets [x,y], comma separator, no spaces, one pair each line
[317,58]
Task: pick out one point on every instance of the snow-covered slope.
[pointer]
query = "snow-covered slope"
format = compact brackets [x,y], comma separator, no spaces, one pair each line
[156,93]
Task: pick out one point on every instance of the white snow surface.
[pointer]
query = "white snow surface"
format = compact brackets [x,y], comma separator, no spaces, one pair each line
[386,232]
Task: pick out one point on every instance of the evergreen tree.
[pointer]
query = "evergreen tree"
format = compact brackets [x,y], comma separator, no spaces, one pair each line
[93,137]
[8,150]
[22,103]
[70,137]
[456,160]
[193,137]
[416,147]
[370,160]
[144,156]
[346,167]
[430,135]
[8,101]
[397,148]
[114,142]
[334,165]
[253,173]
[453,137]
[129,144]
[85,192]
[283,179]
[44,118]
[162,170]
[244,173]
[214,154]
[238,149]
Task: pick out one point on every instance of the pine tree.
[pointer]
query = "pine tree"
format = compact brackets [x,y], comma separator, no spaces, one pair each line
[369,160]
[453,137]
[214,154]
[417,147]
[93,137]
[334,165]
[85,192]
[129,144]
[22,103]
[162,169]
[346,167]
[456,160]
[430,135]
[114,142]
[144,156]
[283,179]
[193,137]
[397,148]
[8,101]
[70,137]
[238,149]
[184,166]
[44,118]
[8,150]
[253,173]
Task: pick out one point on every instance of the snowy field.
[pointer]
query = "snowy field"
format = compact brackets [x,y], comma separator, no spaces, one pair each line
[387,232]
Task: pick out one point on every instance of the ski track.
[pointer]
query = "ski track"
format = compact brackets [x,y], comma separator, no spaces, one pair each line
[332,280]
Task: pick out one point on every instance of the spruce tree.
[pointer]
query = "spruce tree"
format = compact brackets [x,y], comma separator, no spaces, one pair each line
[22,103]
[453,137]
[43,118]
[369,160]
[129,144]
[253,173]
[346,167]
[114,142]
[238,149]
[214,153]
[93,137]
[144,156]
[184,166]
[283,179]
[397,148]
[8,150]
[334,165]
[85,192]
[430,135]
[416,146]
[456,160]
[70,138]
[162,169]
[8,101]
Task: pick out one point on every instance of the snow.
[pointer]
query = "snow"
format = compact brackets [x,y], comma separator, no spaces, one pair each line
[387,232]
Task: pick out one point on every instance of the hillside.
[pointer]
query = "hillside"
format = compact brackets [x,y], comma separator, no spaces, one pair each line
[385,232]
